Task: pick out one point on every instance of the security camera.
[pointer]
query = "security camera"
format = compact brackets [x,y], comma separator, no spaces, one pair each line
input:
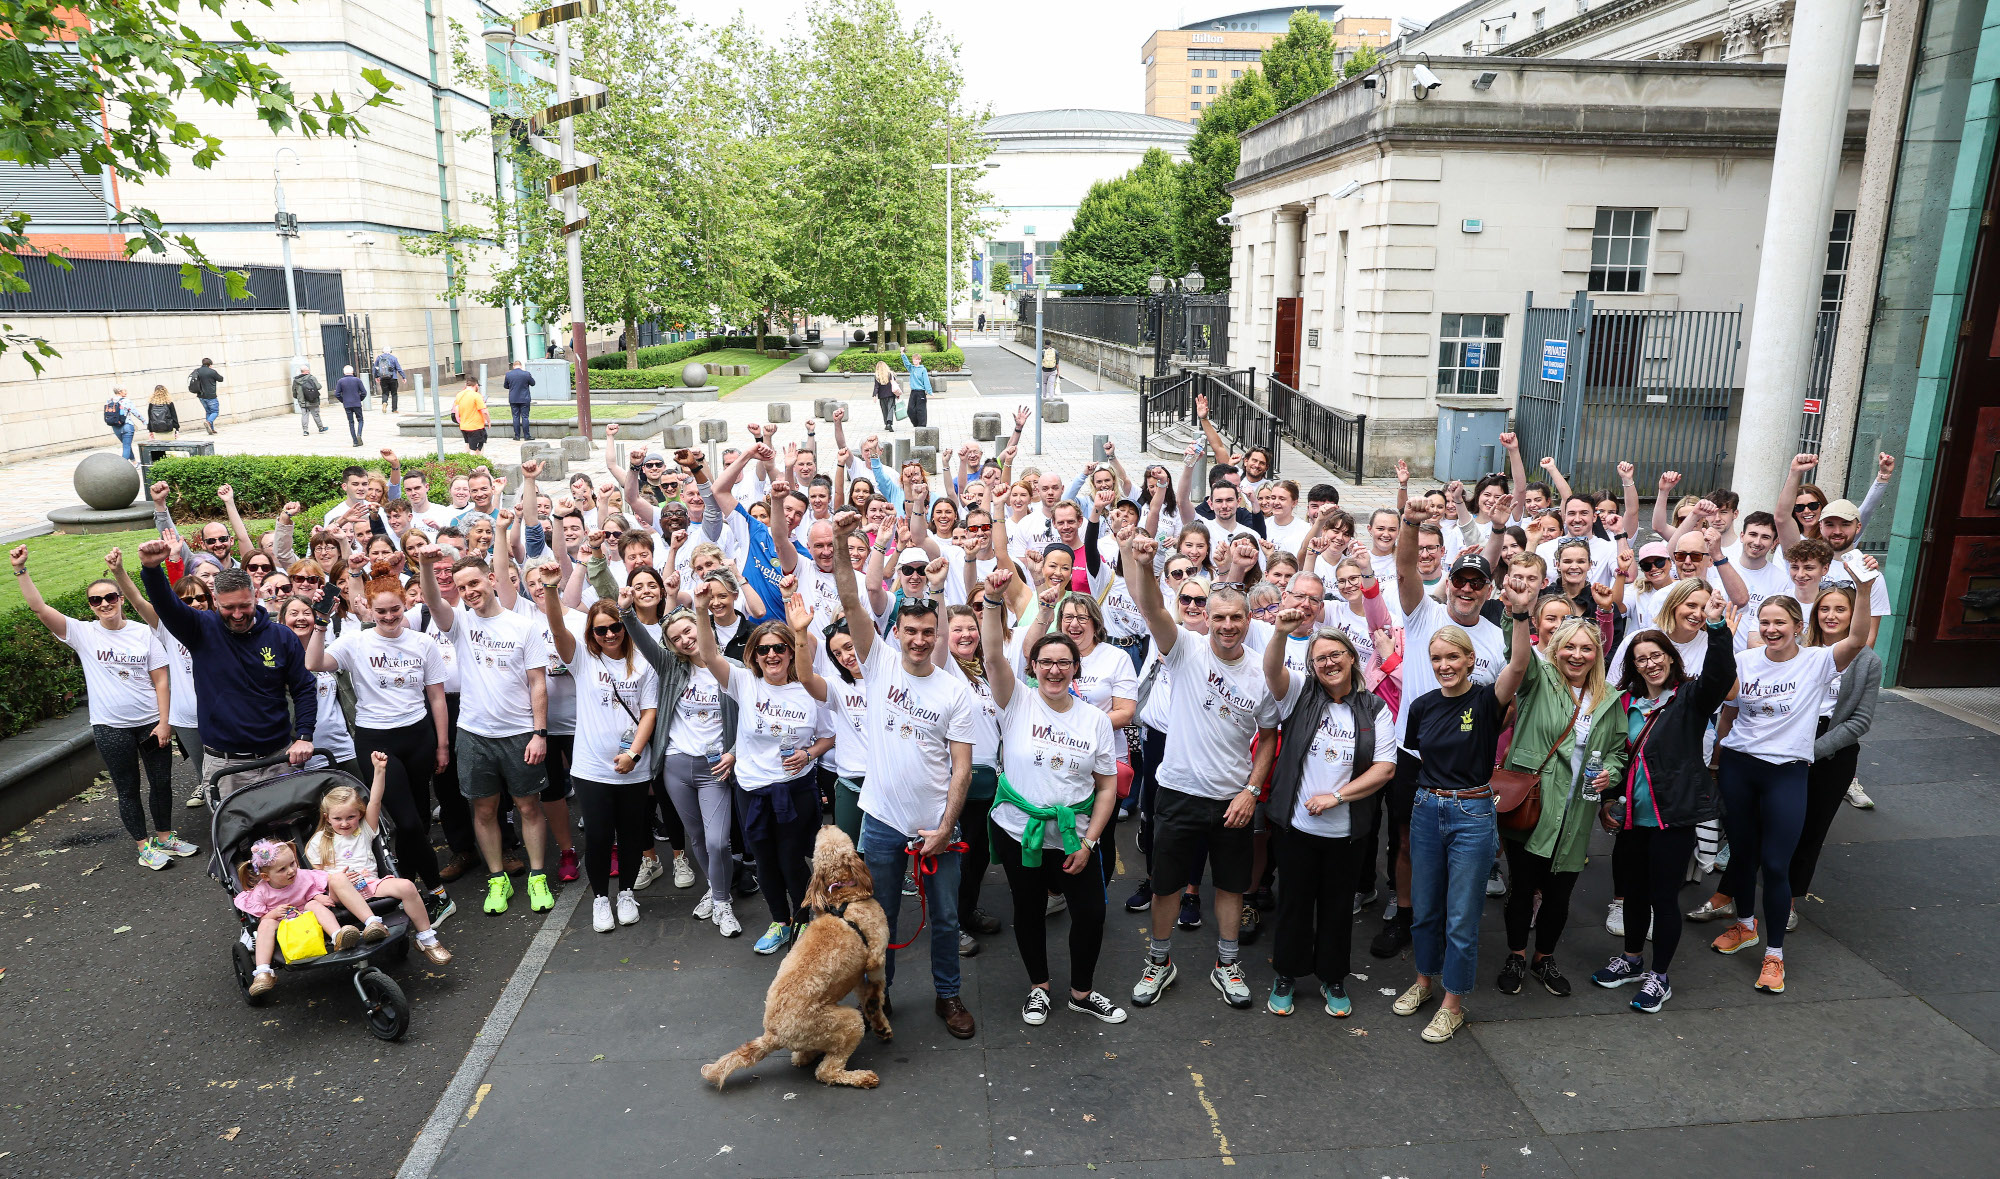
[1426,81]
[1368,82]
[1227,219]
[1346,190]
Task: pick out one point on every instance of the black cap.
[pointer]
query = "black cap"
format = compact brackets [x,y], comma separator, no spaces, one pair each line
[1474,561]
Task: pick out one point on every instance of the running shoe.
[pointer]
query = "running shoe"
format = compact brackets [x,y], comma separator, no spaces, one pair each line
[1363,900]
[650,869]
[1097,1005]
[1035,1012]
[439,905]
[628,908]
[1619,971]
[1856,797]
[1190,917]
[498,889]
[1614,918]
[1056,904]
[1443,1025]
[1771,979]
[1496,886]
[981,922]
[705,908]
[1410,1001]
[151,856]
[774,938]
[725,919]
[1141,899]
[1653,994]
[1280,1002]
[1227,977]
[566,867]
[172,844]
[1338,1005]
[601,919]
[200,798]
[1708,910]
[1736,937]
[683,870]
[1513,972]
[540,899]
[1552,979]
[1158,977]
[1791,920]
[968,946]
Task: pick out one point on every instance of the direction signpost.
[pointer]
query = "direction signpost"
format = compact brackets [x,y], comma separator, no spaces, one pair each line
[1038,288]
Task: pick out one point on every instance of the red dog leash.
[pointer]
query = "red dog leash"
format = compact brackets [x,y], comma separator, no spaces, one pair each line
[924,866]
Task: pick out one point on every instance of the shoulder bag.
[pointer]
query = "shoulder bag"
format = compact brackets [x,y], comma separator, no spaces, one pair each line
[1517,794]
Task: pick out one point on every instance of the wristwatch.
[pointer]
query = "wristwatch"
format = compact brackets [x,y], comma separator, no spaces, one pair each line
[1337,799]
[543,733]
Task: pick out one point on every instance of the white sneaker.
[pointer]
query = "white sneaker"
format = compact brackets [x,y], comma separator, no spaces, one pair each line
[628,909]
[600,915]
[706,909]
[1495,885]
[650,869]
[1858,797]
[725,919]
[1614,919]
[683,871]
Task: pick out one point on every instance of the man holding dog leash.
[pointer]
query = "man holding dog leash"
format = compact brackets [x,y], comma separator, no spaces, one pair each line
[920,768]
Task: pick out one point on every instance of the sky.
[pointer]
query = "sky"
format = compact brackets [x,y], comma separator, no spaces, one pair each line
[1031,55]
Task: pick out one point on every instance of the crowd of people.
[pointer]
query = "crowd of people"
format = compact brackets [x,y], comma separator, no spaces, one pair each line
[1295,709]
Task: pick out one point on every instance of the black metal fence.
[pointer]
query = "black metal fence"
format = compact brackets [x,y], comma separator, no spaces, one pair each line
[103,285]
[1812,422]
[1195,326]
[1113,319]
[1333,438]
[1165,402]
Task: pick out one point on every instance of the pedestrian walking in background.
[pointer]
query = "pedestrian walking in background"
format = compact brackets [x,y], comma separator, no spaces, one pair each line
[518,381]
[352,393]
[202,382]
[123,418]
[920,388]
[885,394]
[305,398]
[388,378]
[161,417]
[1051,366]
[469,411]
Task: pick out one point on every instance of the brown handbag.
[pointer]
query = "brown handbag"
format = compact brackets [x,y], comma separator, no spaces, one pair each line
[1517,794]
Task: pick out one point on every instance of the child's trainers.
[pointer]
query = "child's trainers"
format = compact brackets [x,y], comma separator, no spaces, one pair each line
[540,900]
[348,938]
[498,889]
[174,845]
[151,855]
[374,931]
[434,953]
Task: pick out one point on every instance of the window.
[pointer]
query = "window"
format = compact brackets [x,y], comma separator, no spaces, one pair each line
[1839,245]
[1224,54]
[1541,19]
[1236,73]
[1211,73]
[1211,89]
[1464,340]
[1194,73]
[1194,106]
[1499,34]
[1619,246]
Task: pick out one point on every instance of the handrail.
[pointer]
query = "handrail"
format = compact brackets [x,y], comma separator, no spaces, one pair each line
[1334,438]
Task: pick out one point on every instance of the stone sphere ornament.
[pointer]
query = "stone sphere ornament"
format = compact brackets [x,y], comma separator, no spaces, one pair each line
[818,361]
[695,376]
[106,482]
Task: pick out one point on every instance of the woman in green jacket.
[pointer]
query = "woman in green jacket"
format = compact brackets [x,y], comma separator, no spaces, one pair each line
[1565,716]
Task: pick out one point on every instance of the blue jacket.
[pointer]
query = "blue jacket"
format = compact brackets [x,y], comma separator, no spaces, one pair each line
[920,377]
[351,392]
[252,691]
[518,382]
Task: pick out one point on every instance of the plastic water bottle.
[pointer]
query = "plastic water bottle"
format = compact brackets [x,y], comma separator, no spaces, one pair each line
[788,743]
[713,753]
[1591,768]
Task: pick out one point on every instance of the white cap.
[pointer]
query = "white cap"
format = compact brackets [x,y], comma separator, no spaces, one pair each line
[913,557]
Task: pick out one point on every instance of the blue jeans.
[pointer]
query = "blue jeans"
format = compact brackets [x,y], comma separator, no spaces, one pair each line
[212,406]
[125,433]
[882,848]
[1452,842]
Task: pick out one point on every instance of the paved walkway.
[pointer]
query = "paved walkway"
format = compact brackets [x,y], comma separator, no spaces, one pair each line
[1880,1058]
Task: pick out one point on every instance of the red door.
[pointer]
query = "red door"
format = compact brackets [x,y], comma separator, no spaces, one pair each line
[1955,607]
[1285,348]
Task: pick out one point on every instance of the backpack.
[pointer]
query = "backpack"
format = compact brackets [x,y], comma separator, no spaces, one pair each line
[194,382]
[114,414]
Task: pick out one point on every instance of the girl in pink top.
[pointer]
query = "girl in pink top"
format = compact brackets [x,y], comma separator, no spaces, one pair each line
[275,888]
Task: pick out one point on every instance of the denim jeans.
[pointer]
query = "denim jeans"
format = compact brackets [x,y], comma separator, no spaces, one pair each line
[212,407]
[1452,843]
[125,433]
[882,848]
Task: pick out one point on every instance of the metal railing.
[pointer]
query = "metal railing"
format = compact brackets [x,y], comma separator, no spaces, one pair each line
[1236,413]
[102,285]
[1333,438]
[1113,319]
[1164,402]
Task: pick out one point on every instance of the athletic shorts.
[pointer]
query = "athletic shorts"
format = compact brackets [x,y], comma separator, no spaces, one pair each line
[1181,824]
[487,763]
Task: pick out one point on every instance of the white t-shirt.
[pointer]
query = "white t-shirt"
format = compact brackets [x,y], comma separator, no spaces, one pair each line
[1603,554]
[697,724]
[1053,757]
[561,688]
[820,592]
[604,692]
[1642,606]
[452,680]
[117,671]
[180,681]
[1029,536]
[1122,619]
[1329,762]
[1769,582]
[1848,570]
[770,717]
[353,854]
[389,675]
[1153,713]
[985,713]
[495,655]
[1106,675]
[1288,537]
[1216,709]
[1489,656]
[1777,704]
[330,723]
[912,721]
[1354,626]
[846,716]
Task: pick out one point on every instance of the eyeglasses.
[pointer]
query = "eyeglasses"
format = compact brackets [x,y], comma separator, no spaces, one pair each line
[103,599]
[763,649]
[1652,563]
[1194,601]
[1328,659]
[304,579]
[605,630]
[1055,664]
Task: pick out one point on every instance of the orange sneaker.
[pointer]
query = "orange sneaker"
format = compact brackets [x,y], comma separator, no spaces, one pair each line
[1736,937]
[1771,979]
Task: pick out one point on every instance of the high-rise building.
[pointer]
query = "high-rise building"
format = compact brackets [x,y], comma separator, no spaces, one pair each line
[1186,68]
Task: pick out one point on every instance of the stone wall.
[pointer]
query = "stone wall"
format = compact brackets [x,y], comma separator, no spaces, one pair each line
[1084,354]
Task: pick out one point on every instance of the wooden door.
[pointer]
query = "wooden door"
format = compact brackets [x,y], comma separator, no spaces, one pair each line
[1285,346]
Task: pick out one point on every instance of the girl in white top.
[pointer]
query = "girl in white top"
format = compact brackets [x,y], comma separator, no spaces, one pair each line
[1061,758]
[126,681]
[1767,741]
[345,843]
[330,731]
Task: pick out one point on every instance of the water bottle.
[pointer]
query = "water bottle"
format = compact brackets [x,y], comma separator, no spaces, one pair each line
[713,752]
[788,744]
[1591,768]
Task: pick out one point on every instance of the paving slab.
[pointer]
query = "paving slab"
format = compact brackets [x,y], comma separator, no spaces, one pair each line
[1945,1145]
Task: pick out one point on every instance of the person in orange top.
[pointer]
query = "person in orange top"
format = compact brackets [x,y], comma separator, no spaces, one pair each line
[470,410]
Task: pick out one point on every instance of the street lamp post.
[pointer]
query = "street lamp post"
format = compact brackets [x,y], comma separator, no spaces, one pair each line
[1170,296]
[950,253]
[288,228]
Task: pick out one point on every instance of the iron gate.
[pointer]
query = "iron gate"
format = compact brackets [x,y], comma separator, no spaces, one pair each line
[1653,388]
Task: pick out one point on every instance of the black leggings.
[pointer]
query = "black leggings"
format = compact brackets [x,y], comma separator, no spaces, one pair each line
[623,810]
[1826,789]
[1031,888]
[454,813]
[1315,906]
[1648,866]
[125,752]
[412,753]
[1528,872]
[1764,807]
[561,755]
[972,862]
[783,847]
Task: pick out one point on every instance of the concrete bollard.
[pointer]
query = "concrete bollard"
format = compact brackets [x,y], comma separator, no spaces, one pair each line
[900,449]
[823,408]
[778,411]
[577,449]
[677,437]
[925,457]
[555,464]
[1055,411]
[926,436]
[714,430]
[839,407]
[986,426]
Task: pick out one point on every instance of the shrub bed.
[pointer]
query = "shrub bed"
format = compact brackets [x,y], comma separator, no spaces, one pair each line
[39,675]
[856,360]
[673,355]
[265,483]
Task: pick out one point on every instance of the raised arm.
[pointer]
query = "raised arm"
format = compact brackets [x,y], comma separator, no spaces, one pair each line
[440,609]
[244,547]
[845,523]
[503,558]
[725,486]
[552,609]
[706,652]
[1517,469]
[1276,675]
[993,635]
[1628,483]
[788,552]
[1138,555]
[1788,497]
[51,617]
[318,658]
[1409,579]
[799,617]
[115,561]
[1732,582]
[1885,470]
[1520,603]
[1556,480]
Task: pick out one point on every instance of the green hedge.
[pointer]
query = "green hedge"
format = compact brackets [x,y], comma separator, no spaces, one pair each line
[636,378]
[39,675]
[265,483]
[672,355]
[854,361]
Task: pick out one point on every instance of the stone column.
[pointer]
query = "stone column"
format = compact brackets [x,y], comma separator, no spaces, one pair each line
[1742,38]
[1286,224]
[1812,122]
[1777,25]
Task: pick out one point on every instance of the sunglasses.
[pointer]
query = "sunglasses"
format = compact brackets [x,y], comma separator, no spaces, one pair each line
[763,649]
[979,527]
[1474,582]
[103,599]
[911,569]
[1800,509]
[1177,574]
[1689,557]
[191,599]
[259,567]
[607,630]
[307,580]
[1653,563]
[1194,601]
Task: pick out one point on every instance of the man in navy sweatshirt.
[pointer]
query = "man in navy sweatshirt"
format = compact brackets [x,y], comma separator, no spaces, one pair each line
[254,696]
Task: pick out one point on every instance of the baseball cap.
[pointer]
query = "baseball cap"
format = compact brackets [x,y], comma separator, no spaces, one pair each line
[1657,548]
[913,557]
[656,455]
[1841,509]
[1472,562]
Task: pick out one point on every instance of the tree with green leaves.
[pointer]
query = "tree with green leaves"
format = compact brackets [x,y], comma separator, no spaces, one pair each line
[1002,275]
[1299,64]
[1213,154]
[63,64]
[1123,230]
[1364,58]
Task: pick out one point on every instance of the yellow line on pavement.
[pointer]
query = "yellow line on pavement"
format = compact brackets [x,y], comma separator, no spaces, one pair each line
[472,1111]
[1214,1119]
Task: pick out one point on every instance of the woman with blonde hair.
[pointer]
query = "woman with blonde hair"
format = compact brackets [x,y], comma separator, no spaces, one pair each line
[885,394]
[161,416]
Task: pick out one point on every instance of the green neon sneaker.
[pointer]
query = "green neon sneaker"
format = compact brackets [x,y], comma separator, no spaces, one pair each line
[540,900]
[498,889]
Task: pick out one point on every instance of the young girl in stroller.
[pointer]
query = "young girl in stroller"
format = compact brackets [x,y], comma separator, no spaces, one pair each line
[344,846]
[275,887]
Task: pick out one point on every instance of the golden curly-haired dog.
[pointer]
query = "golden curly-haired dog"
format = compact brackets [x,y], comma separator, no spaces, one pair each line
[840,950]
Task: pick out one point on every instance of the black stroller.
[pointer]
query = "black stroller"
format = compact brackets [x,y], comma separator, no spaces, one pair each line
[287,808]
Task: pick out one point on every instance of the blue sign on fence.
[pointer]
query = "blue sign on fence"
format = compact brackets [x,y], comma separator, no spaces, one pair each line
[1555,360]
[1475,356]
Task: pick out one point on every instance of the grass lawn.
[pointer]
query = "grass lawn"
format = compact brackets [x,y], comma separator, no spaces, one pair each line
[600,411]
[758,362]
[61,562]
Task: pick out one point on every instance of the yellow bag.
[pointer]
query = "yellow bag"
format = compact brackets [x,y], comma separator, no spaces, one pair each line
[301,937]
